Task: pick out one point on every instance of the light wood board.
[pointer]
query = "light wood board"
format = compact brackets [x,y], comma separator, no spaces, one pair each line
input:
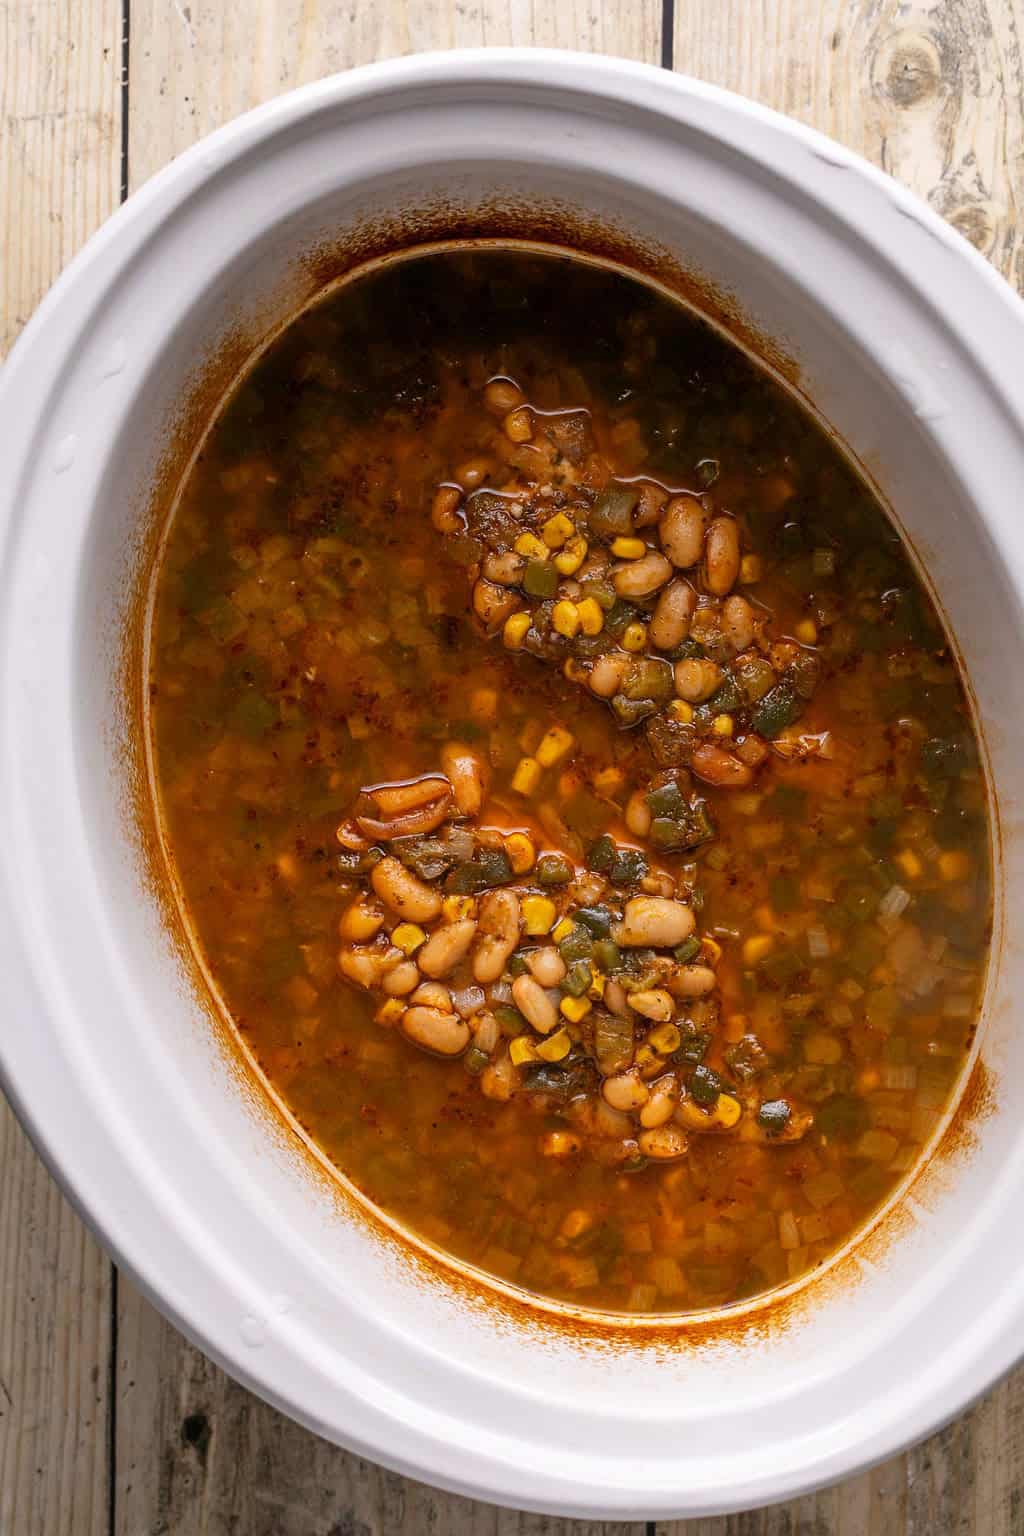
[933,92]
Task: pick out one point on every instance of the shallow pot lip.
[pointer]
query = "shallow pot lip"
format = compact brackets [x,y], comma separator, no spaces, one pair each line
[754,133]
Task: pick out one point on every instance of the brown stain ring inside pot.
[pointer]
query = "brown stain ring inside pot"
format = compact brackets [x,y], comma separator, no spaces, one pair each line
[556,230]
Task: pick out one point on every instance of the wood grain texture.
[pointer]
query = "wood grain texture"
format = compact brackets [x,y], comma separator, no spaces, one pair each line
[59,174]
[54,1354]
[197,63]
[60,70]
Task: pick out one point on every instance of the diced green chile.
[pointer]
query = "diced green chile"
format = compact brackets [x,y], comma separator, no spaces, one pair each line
[773,1116]
[577,978]
[705,1086]
[489,868]
[612,513]
[607,954]
[577,945]
[597,919]
[780,706]
[540,579]
[553,869]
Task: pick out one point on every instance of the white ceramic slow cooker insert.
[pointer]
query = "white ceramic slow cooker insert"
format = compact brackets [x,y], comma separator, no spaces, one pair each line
[909,345]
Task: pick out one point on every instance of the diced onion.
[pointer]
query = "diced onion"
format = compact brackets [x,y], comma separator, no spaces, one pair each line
[818,945]
[894,903]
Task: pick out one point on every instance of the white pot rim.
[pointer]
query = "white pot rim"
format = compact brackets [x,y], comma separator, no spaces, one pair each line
[64,1105]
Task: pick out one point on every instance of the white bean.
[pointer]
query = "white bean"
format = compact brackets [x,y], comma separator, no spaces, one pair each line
[654,1004]
[443,1033]
[546,966]
[493,604]
[625,1091]
[654,921]
[670,621]
[446,947]
[722,555]
[366,966]
[682,531]
[638,816]
[607,673]
[696,679]
[738,622]
[660,1107]
[433,994]
[535,1004]
[503,569]
[404,892]
[498,934]
[467,774]
[639,578]
[691,981]
[402,980]
[615,999]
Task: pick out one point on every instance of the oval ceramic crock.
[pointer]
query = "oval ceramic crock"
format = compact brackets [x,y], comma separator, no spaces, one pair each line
[910,347]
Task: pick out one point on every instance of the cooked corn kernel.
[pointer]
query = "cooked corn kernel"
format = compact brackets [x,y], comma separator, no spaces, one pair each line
[711,948]
[575,1008]
[521,852]
[750,569]
[634,637]
[563,929]
[531,547]
[665,1039]
[591,616]
[954,864]
[910,864]
[755,948]
[807,632]
[681,711]
[569,559]
[557,530]
[408,937]
[527,776]
[556,1047]
[539,912]
[515,630]
[628,549]
[565,619]
[722,725]
[522,1050]
[391,1011]
[598,981]
[455,908]
[726,1112]
[555,744]
[574,671]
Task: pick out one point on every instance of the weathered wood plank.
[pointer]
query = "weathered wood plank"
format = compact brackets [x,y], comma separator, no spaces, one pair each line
[60,71]
[195,66]
[931,90]
[59,174]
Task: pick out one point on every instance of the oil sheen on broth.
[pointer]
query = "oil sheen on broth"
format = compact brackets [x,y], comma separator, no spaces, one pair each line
[569,782]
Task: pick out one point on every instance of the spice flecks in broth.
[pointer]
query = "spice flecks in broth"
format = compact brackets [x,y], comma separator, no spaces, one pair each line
[415,536]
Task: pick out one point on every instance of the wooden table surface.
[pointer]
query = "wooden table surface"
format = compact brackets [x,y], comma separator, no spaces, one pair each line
[110,1423]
